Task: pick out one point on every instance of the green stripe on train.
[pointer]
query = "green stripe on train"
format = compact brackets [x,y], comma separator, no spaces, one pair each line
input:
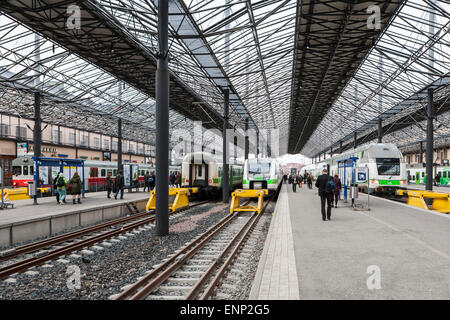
[389,182]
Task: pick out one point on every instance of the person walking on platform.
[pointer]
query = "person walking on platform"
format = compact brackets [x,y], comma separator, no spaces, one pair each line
[178,180]
[55,188]
[146,185]
[309,179]
[294,183]
[326,186]
[75,188]
[172,179]
[152,180]
[61,183]
[109,185]
[118,185]
[299,180]
[337,190]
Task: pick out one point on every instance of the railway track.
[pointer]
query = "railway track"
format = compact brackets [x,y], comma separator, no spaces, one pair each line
[71,242]
[195,271]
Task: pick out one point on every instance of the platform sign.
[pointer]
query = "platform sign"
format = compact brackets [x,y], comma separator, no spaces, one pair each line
[362,174]
[127,175]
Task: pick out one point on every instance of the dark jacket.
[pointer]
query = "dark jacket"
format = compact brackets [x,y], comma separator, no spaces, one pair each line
[178,179]
[152,184]
[109,182]
[146,176]
[338,184]
[119,182]
[321,183]
[76,184]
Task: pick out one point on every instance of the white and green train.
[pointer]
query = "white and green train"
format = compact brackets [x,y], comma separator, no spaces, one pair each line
[417,174]
[205,170]
[387,168]
[262,173]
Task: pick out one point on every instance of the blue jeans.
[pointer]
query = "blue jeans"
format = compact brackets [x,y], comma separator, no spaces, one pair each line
[62,194]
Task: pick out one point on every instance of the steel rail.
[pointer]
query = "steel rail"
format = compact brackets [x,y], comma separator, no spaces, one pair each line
[209,290]
[35,261]
[35,246]
[165,270]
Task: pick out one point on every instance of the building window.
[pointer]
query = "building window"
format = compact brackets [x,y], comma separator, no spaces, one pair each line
[21,132]
[114,145]
[96,142]
[106,144]
[4,129]
[72,138]
[84,141]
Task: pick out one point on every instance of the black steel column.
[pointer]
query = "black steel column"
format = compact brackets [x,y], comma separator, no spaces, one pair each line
[257,144]
[246,139]
[340,146]
[225,175]
[421,152]
[380,130]
[331,152]
[162,122]
[355,140]
[429,156]
[37,135]
[119,145]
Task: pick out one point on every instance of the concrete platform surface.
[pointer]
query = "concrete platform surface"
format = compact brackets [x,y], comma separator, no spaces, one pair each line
[30,222]
[25,210]
[393,251]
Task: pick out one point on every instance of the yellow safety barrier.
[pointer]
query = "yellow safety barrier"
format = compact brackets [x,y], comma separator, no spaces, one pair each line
[181,198]
[19,193]
[241,193]
[441,201]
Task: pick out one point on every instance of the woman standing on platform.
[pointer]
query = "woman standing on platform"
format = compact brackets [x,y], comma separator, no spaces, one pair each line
[75,188]
[294,183]
[299,180]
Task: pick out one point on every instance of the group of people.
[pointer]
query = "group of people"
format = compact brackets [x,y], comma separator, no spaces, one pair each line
[175,180]
[60,186]
[115,186]
[295,180]
[329,189]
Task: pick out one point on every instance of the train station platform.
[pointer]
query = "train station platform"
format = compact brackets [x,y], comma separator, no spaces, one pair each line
[29,222]
[393,251]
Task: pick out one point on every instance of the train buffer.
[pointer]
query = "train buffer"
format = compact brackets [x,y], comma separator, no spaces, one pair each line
[244,193]
[181,199]
[441,201]
[12,194]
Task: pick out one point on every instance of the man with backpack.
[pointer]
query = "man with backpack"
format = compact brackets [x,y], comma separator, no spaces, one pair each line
[151,181]
[326,186]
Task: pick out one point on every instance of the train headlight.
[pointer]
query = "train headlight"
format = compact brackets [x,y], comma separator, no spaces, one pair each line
[374,181]
[402,182]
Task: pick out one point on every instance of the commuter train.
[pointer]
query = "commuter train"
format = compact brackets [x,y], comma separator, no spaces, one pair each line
[204,170]
[416,174]
[95,172]
[262,173]
[387,168]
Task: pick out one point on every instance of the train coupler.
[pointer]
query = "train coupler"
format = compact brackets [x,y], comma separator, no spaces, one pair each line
[247,193]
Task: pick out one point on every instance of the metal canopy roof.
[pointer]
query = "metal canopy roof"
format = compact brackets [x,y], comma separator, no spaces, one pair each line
[332,39]
[311,66]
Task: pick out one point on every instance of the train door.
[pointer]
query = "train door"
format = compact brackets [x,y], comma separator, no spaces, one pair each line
[199,172]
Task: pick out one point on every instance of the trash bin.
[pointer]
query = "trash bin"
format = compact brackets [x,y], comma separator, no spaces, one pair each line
[31,188]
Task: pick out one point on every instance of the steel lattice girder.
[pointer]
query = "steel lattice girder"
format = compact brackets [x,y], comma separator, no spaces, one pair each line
[332,39]
[104,42]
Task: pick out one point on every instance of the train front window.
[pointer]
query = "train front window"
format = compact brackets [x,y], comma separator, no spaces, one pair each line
[259,167]
[388,166]
[17,170]
[25,170]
